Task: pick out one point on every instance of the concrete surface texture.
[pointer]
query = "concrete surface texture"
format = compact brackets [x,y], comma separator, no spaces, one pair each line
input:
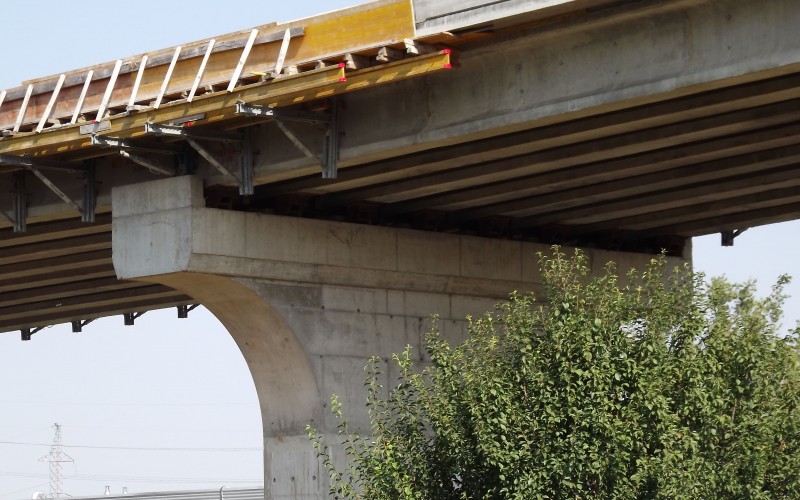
[308,301]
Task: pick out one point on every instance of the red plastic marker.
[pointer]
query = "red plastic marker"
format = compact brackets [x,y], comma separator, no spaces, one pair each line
[448,65]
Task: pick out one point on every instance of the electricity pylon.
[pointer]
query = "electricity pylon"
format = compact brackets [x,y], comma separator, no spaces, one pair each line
[55,458]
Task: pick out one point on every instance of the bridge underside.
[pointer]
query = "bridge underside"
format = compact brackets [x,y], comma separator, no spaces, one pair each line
[643,171]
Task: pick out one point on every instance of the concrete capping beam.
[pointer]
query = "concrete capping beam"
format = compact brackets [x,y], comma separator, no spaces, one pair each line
[161,227]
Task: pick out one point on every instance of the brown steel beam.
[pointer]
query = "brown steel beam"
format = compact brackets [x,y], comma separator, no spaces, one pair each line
[37,233]
[524,188]
[555,135]
[68,262]
[753,218]
[93,311]
[552,159]
[707,191]
[47,276]
[56,248]
[67,305]
[555,200]
[692,211]
[61,291]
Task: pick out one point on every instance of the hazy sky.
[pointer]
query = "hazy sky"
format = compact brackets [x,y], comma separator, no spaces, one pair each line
[168,403]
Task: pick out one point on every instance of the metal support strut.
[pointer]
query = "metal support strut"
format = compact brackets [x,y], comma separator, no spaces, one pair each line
[728,237]
[89,194]
[130,318]
[183,311]
[191,136]
[27,333]
[330,143]
[20,203]
[77,326]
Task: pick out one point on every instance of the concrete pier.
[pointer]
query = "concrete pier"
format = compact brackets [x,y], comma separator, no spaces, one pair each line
[308,301]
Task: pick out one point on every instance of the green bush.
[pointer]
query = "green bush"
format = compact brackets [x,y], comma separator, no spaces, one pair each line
[663,388]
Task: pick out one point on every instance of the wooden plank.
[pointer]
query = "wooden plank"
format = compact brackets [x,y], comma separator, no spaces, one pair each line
[374,25]
[287,36]
[109,90]
[82,98]
[237,72]
[165,83]
[201,70]
[230,41]
[23,108]
[389,54]
[355,61]
[50,104]
[138,81]
[416,48]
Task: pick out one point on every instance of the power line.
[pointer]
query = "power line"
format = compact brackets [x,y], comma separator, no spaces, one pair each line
[135,448]
[139,479]
[9,493]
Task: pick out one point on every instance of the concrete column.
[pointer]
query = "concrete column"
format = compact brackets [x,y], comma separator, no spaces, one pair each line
[308,301]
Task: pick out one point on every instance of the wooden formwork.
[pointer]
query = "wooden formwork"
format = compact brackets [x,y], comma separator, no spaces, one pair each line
[272,64]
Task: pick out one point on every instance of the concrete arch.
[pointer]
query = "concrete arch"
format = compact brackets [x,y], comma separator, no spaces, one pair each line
[285,384]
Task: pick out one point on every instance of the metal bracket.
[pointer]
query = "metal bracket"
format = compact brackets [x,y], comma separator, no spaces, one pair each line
[122,144]
[35,166]
[183,311]
[246,187]
[330,144]
[55,189]
[39,163]
[27,333]
[77,326]
[244,178]
[257,111]
[150,165]
[729,236]
[126,149]
[130,318]
[20,219]
[87,208]
[187,132]
[89,193]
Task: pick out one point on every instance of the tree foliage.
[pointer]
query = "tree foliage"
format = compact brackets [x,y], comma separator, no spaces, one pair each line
[663,388]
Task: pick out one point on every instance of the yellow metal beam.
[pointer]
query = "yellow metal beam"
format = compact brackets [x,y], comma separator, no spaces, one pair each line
[220,106]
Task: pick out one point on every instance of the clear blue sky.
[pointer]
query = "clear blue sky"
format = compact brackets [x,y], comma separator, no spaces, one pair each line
[168,383]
